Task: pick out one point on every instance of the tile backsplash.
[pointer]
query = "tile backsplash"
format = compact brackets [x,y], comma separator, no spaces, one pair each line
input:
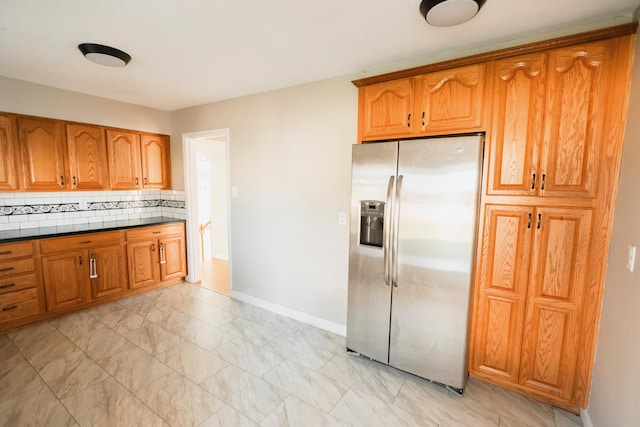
[30,210]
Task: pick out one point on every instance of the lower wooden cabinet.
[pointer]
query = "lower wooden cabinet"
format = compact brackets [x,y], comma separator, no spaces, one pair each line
[20,286]
[156,255]
[65,278]
[107,271]
[528,302]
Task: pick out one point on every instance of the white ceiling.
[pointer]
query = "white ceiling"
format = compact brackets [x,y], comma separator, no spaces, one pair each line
[191,52]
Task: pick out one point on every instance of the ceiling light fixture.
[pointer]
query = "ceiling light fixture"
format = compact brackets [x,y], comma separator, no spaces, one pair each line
[445,13]
[104,55]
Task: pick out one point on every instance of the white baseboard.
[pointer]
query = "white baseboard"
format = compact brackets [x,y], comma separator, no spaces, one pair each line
[327,325]
[585,418]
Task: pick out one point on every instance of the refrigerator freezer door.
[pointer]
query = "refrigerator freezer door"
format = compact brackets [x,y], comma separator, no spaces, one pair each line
[369,301]
[438,206]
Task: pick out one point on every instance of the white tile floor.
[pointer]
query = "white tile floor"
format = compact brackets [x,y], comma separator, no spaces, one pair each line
[187,356]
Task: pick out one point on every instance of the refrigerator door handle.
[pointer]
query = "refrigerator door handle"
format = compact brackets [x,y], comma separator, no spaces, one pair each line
[386,232]
[396,224]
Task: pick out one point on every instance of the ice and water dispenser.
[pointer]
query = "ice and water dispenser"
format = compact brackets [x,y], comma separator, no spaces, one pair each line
[371,222]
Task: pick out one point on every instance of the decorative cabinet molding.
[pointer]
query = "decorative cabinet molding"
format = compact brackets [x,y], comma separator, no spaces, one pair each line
[87,157]
[155,158]
[124,159]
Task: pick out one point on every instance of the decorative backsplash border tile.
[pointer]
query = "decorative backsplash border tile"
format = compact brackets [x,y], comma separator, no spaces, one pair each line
[30,210]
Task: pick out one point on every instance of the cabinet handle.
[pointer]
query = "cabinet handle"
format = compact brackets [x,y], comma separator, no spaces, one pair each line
[162,258]
[61,180]
[423,119]
[153,247]
[12,307]
[80,259]
[85,242]
[6,269]
[533,182]
[156,232]
[6,252]
[409,120]
[11,285]
[75,181]
[539,218]
[529,222]
[544,178]
[137,181]
[145,181]
[93,268]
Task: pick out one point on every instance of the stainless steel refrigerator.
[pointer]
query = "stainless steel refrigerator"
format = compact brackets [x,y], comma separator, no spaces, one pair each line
[414,210]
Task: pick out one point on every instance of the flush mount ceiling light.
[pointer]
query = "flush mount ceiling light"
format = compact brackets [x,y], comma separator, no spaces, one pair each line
[445,13]
[104,55]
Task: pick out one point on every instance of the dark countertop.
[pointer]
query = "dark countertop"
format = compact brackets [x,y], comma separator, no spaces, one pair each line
[66,230]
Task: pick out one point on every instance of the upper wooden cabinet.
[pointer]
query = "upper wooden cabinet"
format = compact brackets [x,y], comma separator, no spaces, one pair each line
[156,161]
[549,114]
[442,102]
[451,101]
[42,154]
[124,159]
[138,160]
[386,109]
[87,157]
[8,169]
[39,154]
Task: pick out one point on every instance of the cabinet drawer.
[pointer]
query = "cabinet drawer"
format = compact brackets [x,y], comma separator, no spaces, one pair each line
[15,250]
[12,284]
[19,304]
[17,266]
[154,232]
[83,241]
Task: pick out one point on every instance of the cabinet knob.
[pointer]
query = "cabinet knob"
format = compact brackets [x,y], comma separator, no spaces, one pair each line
[137,181]
[61,180]
[153,247]
[75,181]
[146,181]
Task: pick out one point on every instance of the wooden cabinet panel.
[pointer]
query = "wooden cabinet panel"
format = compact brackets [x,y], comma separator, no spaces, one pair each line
[575,111]
[65,281]
[172,258]
[25,281]
[15,250]
[87,157]
[554,301]
[155,158]
[155,232]
[42,151]
[80,241]
[108,272]
[17,266]
[19,304]
[451,100]
[501,291]
[144,267]
[518,86]
[386,109]
[124,160]
[8,166]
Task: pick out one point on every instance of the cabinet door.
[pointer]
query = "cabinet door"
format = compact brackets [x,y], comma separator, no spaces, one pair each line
[172,258]
[556,287]
[124,160]
[8,170]
[87,157]
[155,161]
[65,279]
[144,267]
[451,100]
[577,96]
[518,86]
[42,151]
[386,109]
[107,271]
[501,291]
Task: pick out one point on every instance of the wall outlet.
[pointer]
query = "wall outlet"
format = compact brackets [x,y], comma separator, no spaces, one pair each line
[631,258]
[342,218]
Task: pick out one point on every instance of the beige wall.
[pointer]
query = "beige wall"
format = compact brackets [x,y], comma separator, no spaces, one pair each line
[290,158]
[615,389]
[17,96]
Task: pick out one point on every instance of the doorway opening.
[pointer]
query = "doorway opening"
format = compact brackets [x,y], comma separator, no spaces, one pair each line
[206,160]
